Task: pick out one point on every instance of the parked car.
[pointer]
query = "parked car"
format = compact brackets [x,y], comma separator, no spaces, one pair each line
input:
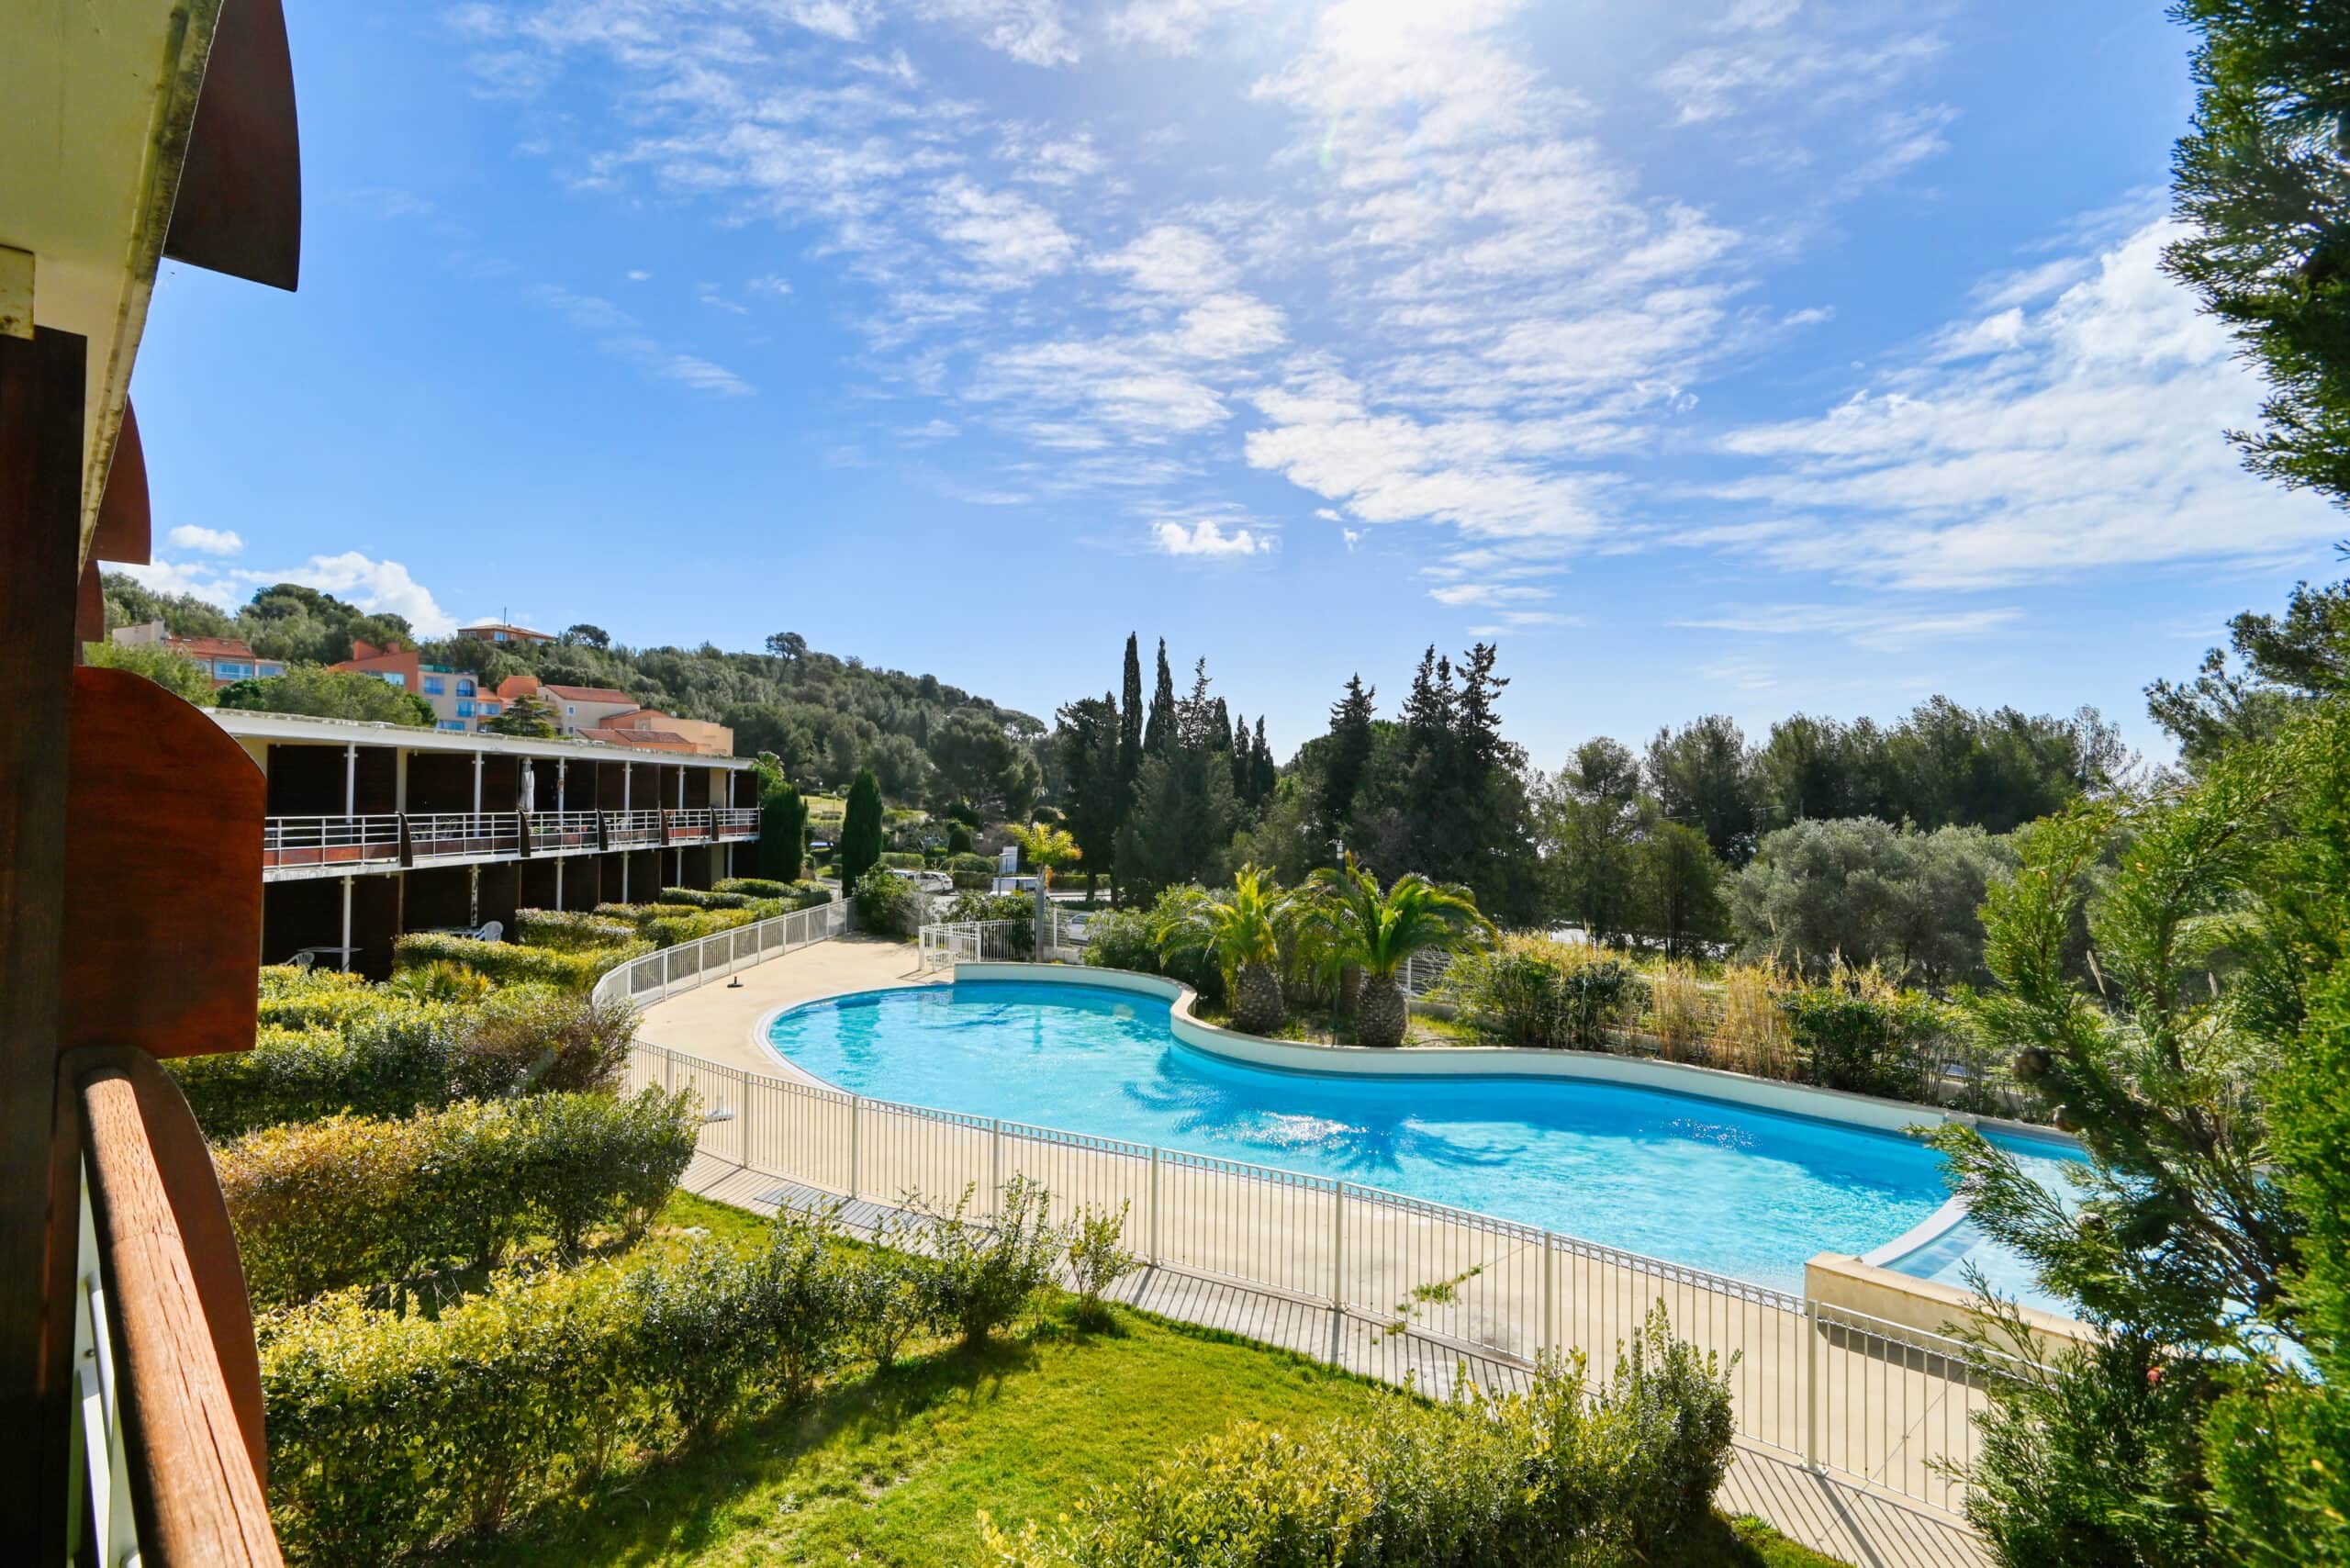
[928,881]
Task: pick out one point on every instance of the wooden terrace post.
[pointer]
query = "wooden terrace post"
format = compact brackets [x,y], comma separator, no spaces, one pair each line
[42,381]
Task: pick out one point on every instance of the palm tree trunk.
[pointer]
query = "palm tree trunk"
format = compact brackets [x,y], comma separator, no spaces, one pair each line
[1256,1005]
[1381,1014]
[1349,989]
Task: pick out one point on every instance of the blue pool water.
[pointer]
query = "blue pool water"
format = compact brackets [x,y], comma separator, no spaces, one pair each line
[1741,1192]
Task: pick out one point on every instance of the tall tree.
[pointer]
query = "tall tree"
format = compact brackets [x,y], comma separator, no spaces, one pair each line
[2281,663]
[2264,182]
[1348,757]
[861,830]
[1088,742]
[1590,818]
[1158,727]
[1263,776]
[1698,775]
[783,826]
[1680,886]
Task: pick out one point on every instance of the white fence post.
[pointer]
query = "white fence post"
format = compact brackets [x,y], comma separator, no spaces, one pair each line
[742,1125]
[856,1103]
[1811,1383]
[995,1168]
[1338,1246]
[1154,1205]
[1549,1293]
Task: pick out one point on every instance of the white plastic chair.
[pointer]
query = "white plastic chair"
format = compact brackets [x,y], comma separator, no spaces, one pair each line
[492,931]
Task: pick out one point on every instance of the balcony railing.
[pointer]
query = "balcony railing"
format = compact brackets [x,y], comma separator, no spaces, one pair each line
[294,847]
[441,837]
[563,833]
[632,830]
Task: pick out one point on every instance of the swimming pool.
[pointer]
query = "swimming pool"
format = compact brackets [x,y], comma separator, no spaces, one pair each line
[1732,1188]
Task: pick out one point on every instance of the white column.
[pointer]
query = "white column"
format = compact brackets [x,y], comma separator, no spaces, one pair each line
[561,766]
[350,783]
[399,781]
[346,924]
[477,764]
[628,777]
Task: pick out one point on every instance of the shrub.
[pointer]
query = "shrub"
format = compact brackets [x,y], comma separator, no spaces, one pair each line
[387,1061]
[441,981]
[1018,908]
[1559,1474]
[297,998]
[570,930]
[1122,939]
[1530,991]
[692,926]
[888,1303]
[888,906]
[958,838]
[981,1278]
[1754,1034]
[531,1038]
[510,963]
[904,860]
[710,900]
[321,1205]
[388,1433]
[755,887]
[1097,1260]
[803,1294]
[1677,1013]
[1859,1034]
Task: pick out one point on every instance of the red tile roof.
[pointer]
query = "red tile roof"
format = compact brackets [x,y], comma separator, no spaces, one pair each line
[632,738]
[210,647]
[591,694]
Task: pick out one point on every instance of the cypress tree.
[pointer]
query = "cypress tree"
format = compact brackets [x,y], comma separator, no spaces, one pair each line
[1220,727]
[783,831]
[1263,777]
[860,829]
[1159,729]
[1244,773]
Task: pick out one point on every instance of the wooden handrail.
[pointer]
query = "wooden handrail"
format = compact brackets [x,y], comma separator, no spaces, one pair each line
[193,1483]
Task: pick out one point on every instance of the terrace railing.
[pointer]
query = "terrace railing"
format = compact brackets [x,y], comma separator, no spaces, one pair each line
[735,822]
[439,836]
[565,833]
[1413,1286]
[692,826]
[971,942]
[632,830]
[294,847]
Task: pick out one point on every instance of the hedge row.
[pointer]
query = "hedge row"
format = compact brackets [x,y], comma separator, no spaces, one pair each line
[390,1433]
[391,1056]
[1560,1474]
[570,930]
[356,1201]
[515,963]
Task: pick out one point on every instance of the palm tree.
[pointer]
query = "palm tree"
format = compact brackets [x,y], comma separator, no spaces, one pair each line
[1243,935]
[1377,931]
[1045,847]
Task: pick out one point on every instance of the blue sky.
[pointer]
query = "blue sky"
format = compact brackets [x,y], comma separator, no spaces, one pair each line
[1748,357]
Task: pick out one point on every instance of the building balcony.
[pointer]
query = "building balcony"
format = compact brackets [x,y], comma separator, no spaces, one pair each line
[632,830]
[439,838]
[565,833]
[295,848]
[301,848]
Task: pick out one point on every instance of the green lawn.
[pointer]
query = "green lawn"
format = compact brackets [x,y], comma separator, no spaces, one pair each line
[892,1469]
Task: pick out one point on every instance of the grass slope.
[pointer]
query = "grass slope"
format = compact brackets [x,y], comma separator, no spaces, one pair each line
[891,1469]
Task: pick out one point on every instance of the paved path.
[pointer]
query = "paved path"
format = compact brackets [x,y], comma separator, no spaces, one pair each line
[782,1130]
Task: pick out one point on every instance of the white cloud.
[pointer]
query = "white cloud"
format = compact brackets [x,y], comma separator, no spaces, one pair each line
[617,333]
[1353,536]
[1175,26]
[2085,433]
[208,541]
[1879,630]
[1010,239]
[704,376]
[1172,260]
[771,283]
[1031,31]
[1207,537]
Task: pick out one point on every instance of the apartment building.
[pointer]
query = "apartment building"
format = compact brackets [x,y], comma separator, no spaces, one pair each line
[650,726]
[459,703]
[575,709]
[225,659]
[377,829]
[500,632]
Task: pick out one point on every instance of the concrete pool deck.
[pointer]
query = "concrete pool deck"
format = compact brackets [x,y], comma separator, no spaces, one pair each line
[1891,1411]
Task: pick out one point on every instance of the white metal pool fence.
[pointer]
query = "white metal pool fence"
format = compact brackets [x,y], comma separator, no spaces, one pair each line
[672,970]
